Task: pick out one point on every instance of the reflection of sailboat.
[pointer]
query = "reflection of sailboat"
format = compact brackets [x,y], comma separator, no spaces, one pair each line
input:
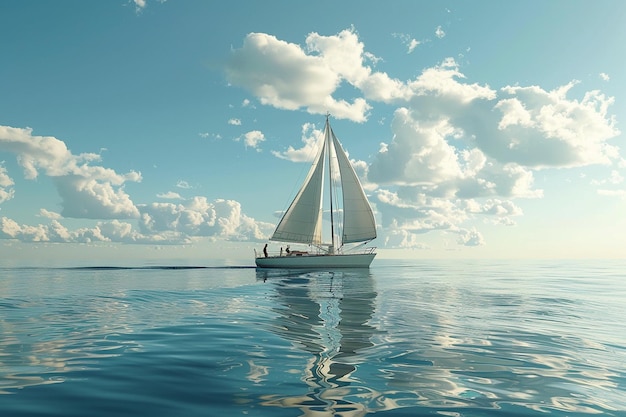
[302,221]
[327,315]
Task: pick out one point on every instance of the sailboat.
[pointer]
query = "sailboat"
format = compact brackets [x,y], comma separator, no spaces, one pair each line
[352,225]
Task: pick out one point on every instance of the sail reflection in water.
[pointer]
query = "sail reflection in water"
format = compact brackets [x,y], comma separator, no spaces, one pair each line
[326,314]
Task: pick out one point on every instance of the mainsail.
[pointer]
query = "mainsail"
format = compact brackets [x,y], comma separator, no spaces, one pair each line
[302,221]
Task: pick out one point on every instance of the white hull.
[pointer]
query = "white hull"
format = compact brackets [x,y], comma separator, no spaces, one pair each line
[357,260]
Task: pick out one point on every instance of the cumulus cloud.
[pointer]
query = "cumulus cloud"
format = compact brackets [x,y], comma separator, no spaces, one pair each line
[49,214]
[170,195]
[161,223]
[55,232]
[419,153]
[470,238]
[285,76]
[87,190]
[539,128]
[198,217]
[253,138]
[6,193]
[457,149]
[89,198]
[310,138]
[91,191]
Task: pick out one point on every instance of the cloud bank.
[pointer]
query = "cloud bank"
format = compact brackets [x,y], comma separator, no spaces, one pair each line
[458,150]
[91,191]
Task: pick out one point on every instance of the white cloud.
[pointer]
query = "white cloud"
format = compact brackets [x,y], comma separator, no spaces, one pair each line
[441,86]
[183,184]
[5,180]
[470,238]
[410,42]
[342,53]
[199,217]
[9,229]
[170,195]
[6,193]
[87,198]
[87,191]
[234,122]
[206,135]
[55,232]
[283,75]
[419,153]
[604,76]
[161,223]
[413,43]
[614,178]
[380,87]
[253,138]
[49,214]
[403,239]
[117,231]
[310,138]
[139,5]
[439,32]
[539,128]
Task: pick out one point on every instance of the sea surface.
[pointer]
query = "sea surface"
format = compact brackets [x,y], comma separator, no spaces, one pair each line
[404,338]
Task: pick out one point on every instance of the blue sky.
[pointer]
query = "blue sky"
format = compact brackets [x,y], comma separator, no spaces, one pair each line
[176,129]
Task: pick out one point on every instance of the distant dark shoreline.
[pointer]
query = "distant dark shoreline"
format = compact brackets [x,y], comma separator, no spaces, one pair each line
[158,267]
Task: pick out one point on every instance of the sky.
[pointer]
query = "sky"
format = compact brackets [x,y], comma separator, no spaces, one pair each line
[139,131]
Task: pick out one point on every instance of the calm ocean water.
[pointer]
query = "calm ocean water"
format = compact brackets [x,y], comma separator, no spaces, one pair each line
[401,339]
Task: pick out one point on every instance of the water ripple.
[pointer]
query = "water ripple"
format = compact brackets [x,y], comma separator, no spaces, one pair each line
[470,340]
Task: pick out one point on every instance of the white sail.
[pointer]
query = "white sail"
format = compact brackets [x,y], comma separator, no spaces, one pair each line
[302,221]
[358,219]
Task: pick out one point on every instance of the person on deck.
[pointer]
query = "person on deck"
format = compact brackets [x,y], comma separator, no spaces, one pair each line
[265,250]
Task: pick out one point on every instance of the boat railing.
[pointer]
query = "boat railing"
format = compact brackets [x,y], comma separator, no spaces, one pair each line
[366,250]
[370,249]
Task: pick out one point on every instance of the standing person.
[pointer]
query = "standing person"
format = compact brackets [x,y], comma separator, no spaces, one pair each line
[265,250]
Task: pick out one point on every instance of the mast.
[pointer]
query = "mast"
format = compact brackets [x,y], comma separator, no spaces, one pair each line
[331,249]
